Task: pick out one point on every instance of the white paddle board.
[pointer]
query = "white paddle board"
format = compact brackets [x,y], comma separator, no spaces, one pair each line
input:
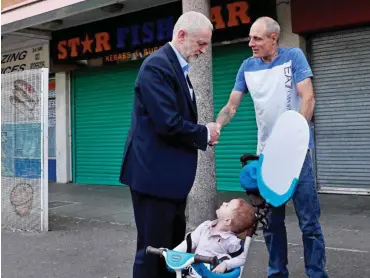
[282,158]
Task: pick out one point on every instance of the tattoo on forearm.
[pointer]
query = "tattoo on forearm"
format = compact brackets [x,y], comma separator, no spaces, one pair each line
[225,116]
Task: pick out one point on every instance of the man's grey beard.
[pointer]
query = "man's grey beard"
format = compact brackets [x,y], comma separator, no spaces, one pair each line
[192,59]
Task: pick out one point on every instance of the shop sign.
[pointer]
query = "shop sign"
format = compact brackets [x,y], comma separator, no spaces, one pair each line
[25,59]
[136,35]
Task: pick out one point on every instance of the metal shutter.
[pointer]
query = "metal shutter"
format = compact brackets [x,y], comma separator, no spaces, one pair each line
[101,117]
[240,135]
[341,67]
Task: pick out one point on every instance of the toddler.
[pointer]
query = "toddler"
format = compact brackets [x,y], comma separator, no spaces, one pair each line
[219,237]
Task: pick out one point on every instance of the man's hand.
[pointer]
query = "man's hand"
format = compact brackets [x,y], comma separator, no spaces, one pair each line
[215,131]
[221,268]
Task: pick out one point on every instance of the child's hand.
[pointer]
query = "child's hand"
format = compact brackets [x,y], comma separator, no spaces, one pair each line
[221,268]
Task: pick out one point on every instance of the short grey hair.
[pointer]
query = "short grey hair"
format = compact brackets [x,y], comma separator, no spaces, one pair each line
[192,22]
[271,25]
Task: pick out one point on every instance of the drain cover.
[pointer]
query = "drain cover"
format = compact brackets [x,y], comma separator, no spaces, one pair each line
[54,204]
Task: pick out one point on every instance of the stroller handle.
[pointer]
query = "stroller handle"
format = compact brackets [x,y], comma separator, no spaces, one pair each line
[204,259]
[197,258]
[154,251]
[248,157]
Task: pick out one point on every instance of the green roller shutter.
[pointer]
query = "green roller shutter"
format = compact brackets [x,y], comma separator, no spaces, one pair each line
[240,135]
[101,116]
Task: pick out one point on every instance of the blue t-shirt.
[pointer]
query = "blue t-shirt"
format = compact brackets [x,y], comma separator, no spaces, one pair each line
[273,87]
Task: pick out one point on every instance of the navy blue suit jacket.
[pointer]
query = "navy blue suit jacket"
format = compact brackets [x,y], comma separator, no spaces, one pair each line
[161,150]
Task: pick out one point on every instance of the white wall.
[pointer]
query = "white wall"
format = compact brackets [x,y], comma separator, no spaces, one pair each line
[63,135]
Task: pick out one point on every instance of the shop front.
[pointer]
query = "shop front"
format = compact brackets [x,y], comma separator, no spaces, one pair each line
[109,53]
[339,39]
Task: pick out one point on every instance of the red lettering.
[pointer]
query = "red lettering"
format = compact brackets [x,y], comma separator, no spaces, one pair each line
[102,42]
[216,17]
[238,10]
[62,50]
[73,43]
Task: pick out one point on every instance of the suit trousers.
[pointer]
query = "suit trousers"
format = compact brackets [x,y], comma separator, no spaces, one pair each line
[160,223]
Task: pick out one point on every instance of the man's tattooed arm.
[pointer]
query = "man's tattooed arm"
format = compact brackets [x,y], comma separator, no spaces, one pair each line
[225,115]
[229,110]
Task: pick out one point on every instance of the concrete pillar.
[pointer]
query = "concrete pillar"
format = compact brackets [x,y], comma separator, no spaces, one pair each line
[202,199]
[63,149]
[287,37]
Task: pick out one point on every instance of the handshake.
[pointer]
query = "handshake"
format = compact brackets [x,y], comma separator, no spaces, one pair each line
[215,131]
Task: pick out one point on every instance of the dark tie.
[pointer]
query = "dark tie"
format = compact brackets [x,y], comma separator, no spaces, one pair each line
[191,87]
[188,80]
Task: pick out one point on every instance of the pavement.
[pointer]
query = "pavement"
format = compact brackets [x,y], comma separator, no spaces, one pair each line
[92,235]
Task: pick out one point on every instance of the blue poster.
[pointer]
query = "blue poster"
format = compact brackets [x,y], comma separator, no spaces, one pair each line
[21,150]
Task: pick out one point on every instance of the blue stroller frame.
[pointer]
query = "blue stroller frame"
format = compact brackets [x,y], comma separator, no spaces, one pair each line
[201,265]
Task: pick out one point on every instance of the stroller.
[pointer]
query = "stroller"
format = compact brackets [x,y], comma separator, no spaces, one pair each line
[269,179]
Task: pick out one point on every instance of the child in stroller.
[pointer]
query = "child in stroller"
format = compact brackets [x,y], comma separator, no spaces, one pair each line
[217,239]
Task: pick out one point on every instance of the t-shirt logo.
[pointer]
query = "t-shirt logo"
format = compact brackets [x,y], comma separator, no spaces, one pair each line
[288,86]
